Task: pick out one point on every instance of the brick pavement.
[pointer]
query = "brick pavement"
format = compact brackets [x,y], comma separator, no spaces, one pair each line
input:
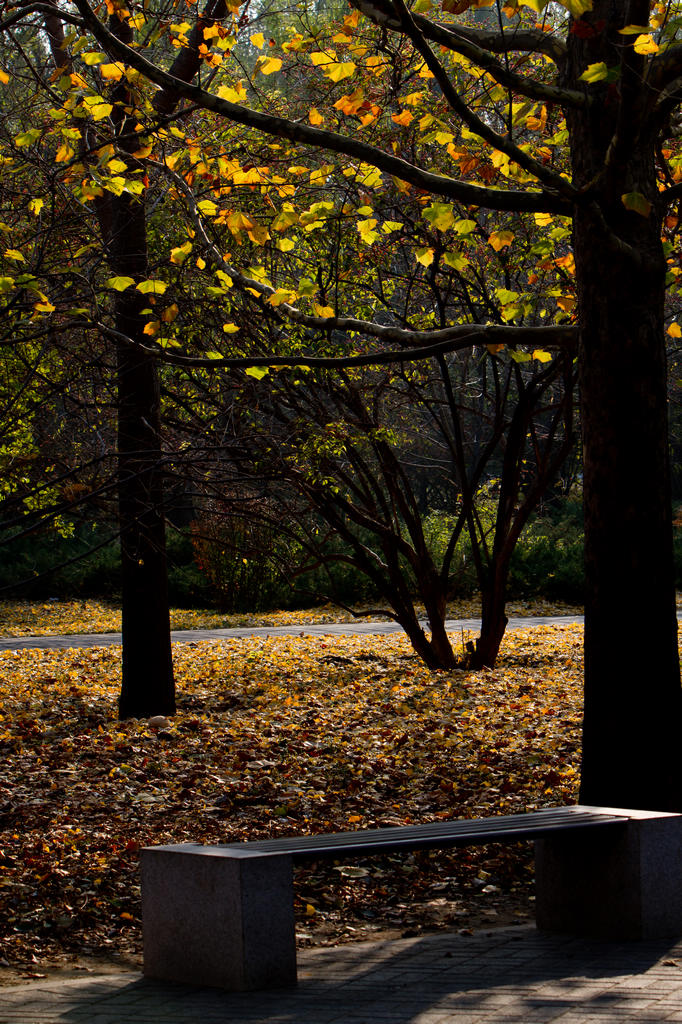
[507,976]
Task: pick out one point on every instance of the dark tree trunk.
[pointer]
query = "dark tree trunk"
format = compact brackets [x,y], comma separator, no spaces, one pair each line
[493,620]
[632,718]
[148,686]
[147,671]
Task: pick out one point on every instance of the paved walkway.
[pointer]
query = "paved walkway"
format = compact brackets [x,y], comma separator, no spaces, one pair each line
[312,629]
[508,976]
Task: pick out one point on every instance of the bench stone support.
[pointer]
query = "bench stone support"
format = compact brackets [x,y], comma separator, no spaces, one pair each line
[219,917]
[620,884]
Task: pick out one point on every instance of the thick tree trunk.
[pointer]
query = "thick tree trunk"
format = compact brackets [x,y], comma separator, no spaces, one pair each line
[147,670]
[633,706]
[633,711]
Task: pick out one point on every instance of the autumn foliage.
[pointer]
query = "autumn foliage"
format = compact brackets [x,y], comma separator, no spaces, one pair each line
[273,737]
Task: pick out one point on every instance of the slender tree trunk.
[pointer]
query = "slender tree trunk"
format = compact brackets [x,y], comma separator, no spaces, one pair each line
[148,686]
[633,706]
[147,670]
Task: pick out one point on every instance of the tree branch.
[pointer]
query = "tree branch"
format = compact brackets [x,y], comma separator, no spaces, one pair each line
[470,195]
[544,174]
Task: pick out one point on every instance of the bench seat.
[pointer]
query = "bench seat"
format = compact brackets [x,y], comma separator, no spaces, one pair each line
[223,915]
[436,834]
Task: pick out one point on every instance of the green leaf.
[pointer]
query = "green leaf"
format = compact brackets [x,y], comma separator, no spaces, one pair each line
[636,30]
[455,260]
[636,202]
[595,72]
[27,138]
[152,287]
[120,284]
[440,216]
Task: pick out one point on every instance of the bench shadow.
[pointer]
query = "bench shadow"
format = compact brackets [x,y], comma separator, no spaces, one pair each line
[519,971]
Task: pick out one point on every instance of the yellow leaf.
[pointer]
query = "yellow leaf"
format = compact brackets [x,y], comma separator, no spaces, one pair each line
[4,77]
[541,356]
[405,117]
[315,117]
[366,230]
[644,44]
[36,205]
[498,239]
[279,296]
[112,72]
[675,331]
[635,30]
[270,65]
[425,256]
[325,311]
[44,307]
[230,328]
[258,39]
[318,58]
[286,245]
[100,111]
[543,219]
[309,910]
[14,254]
[152,328]
[577,8]
[237,95]
[180,253]
[120,283]
[337,72]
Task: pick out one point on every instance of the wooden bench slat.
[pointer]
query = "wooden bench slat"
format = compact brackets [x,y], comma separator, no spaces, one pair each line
[461,831]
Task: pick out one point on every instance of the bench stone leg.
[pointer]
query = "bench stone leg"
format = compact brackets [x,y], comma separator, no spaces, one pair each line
[621,884]
[216,917]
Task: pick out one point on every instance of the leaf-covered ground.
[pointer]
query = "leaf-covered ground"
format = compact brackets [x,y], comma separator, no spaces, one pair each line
[50,618]
[274,737]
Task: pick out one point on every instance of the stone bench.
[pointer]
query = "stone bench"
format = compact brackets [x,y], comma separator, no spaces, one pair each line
[223,915]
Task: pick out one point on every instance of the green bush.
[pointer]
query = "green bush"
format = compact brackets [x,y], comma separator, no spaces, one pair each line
[548,559]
